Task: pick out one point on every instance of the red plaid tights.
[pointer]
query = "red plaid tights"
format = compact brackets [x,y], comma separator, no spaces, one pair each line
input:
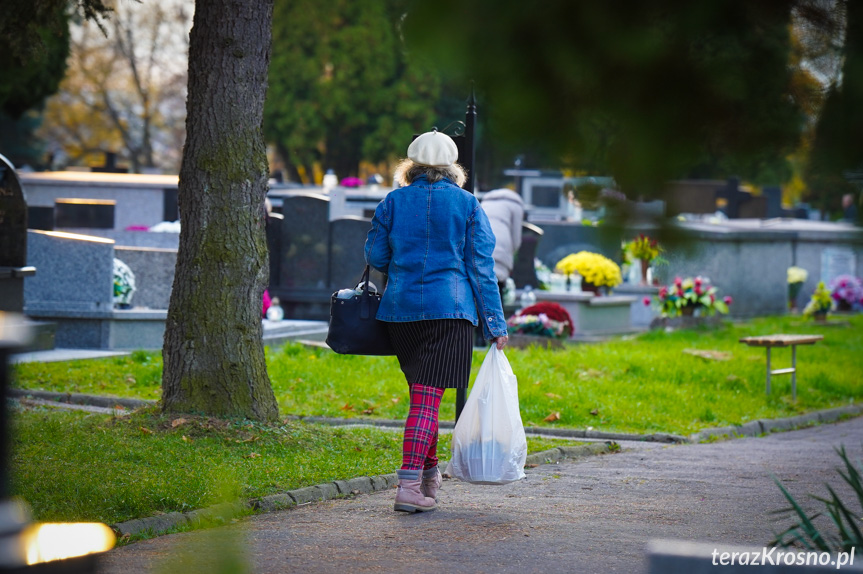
[419,450]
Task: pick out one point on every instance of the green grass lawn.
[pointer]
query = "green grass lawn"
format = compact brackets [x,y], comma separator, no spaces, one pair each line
[639,384]
[72,466]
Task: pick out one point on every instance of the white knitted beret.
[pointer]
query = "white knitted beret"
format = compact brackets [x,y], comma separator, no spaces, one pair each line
[433,149]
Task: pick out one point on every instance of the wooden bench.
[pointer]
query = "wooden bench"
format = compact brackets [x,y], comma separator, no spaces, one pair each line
[770,341]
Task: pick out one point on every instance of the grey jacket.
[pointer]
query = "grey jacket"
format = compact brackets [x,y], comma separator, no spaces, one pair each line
[505,211]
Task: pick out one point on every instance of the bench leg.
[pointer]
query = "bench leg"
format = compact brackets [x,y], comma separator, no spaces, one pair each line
[768,370]
[794,372]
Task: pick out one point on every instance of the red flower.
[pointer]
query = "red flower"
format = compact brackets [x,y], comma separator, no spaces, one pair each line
[712,297]
[678,281]
[698,290]
[728,300]
[647,301]
[663,292]
[552,310]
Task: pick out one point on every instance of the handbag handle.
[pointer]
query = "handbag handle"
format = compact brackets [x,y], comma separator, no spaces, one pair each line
[365,296]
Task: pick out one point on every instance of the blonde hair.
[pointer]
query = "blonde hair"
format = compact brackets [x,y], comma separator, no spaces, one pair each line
[407,170]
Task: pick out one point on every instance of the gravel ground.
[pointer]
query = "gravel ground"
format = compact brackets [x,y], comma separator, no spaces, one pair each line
[594,515]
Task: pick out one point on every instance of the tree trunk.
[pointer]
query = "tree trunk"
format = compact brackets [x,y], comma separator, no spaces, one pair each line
[213,352]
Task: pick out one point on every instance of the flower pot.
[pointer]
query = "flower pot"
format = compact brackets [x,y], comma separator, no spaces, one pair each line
[645,265]
[590,288]
[687,311]
[793,292]
[820,316]
[843,305]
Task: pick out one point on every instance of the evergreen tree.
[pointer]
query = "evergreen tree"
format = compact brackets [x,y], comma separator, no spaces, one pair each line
[342,88]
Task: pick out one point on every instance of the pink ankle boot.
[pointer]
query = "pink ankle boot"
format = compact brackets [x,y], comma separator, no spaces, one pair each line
[409,497]
[431,482]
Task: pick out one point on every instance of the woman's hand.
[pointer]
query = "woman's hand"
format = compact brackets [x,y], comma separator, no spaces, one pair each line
[501,342]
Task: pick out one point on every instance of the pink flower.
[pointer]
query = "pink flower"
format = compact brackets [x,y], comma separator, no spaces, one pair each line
[663,292]
[728,300]
[698,290]
[836,295]
[698,281]
[265,303]
[678,281]
[647,301]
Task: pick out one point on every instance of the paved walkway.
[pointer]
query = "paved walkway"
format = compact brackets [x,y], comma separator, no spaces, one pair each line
[595,515]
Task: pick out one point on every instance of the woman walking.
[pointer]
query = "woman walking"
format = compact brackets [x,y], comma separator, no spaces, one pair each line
[435,243]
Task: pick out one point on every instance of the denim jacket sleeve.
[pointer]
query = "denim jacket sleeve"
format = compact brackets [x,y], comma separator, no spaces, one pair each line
[480,270]
[377,249]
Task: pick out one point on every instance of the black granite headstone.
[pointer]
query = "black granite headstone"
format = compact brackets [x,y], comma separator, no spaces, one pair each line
[774,201]
[304,257]
[170,208]
[13,239]
[40,217]
[13,218]
[84,213]
[347,261]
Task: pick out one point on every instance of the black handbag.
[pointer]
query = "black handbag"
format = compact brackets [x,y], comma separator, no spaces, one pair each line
[353,329]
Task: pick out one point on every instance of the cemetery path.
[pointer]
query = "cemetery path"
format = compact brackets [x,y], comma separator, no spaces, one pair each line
[594,515]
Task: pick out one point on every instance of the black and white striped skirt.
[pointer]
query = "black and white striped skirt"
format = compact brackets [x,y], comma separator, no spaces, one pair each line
[434,353]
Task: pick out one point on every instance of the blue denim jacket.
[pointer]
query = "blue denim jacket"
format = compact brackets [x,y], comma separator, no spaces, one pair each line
[435,243]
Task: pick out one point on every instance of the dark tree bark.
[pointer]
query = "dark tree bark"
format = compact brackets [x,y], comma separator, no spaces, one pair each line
[213,352]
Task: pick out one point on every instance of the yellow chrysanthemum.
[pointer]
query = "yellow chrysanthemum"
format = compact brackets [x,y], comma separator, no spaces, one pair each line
[593,267]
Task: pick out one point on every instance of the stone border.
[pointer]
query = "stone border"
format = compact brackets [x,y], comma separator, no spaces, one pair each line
[80,399]
[764,426]
[162,523]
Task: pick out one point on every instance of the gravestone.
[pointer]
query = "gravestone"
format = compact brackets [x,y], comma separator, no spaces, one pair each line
[751,207]
[347,259]
[692,196]
[304,257]
[523,269]
[39,217]
[84,213]
[773,195]
[13,240]
[836,261]
[76,273]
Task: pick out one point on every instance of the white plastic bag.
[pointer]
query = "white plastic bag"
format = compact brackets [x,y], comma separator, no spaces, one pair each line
[488,442]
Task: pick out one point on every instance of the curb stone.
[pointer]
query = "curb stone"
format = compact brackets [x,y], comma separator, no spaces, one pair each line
[226,511]
[320,492]
[81,399]
[562,452]
[763,426]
